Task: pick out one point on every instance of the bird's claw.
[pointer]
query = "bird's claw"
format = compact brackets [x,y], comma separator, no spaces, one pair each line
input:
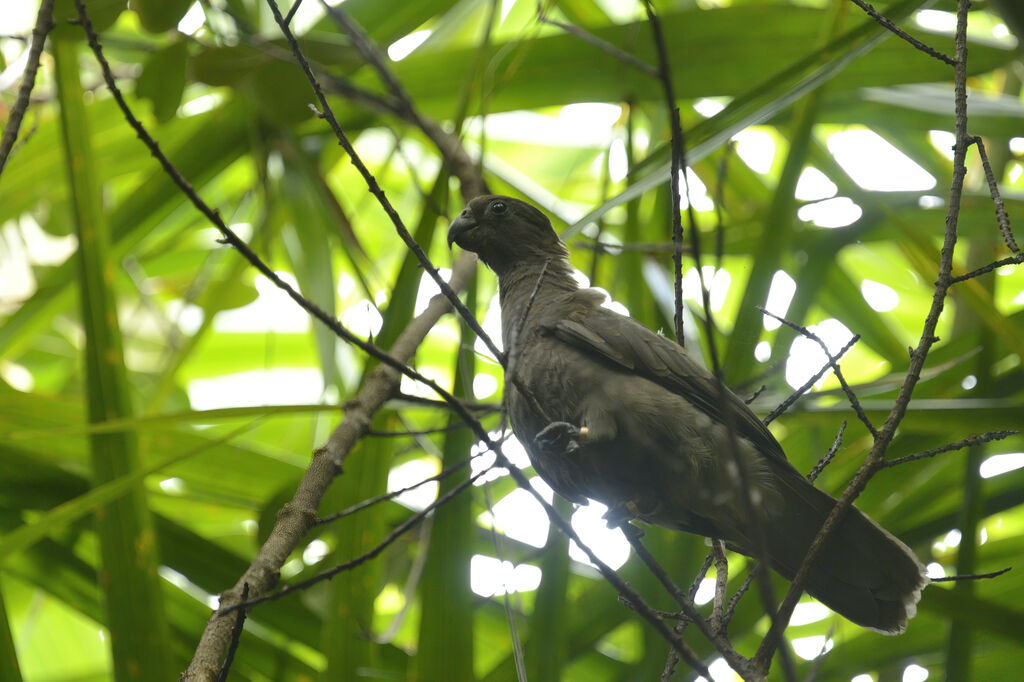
[559,437]
[621,514]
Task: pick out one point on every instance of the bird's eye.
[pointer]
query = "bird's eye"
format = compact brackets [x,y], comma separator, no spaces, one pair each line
[499,207]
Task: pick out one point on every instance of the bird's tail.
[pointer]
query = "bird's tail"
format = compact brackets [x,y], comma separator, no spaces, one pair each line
[864,573]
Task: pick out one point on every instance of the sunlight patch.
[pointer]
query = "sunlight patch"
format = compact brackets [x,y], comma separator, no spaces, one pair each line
[806,356]
[936,20]
[273,386]
[272,311]
[521,517]
[831,213]
[880,297]
[780,295]
[809,648]
[708,107]
[756,148]
[809,612]
[193,20]
[607,543]
[915,673]
[697,191]
[490,577]
[410,473]
[813,185]
[1001,464]
[943,141]
[876,165]
[403,47]
[705,592]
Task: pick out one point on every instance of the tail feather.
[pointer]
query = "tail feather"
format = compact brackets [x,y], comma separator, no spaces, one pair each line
[864,572]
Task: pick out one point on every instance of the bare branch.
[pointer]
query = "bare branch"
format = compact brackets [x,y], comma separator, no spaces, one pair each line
[721,584]
[833,362]
[678,166]
[876,457]
[993,189]
[827,458]
[369,502]
[398,532]
[958,445]
[795,395]
[1009,260]
[44,22]
[717,638]
[291,12]
[887,23]
[327,114]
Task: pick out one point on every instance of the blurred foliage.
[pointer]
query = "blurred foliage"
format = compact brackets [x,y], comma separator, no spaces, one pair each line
[231,388]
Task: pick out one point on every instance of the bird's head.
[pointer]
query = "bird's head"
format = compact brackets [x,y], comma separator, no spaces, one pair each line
[505,232]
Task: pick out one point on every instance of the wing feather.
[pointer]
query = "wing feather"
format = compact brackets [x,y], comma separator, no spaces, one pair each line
[633,347]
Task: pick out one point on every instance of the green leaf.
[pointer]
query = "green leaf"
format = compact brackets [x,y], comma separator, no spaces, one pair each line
[162,80]
[158,16]
[133,603]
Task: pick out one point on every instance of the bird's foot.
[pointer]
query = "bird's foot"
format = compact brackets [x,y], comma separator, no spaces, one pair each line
[642,507]
[621,514]
[560,438]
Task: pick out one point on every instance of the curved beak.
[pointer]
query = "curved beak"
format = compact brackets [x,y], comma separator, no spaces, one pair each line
[462,224]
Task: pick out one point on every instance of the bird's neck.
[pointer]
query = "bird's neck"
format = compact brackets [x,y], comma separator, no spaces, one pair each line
[528,288]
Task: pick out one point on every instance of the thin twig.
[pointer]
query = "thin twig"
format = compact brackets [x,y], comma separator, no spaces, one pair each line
[736,661]
[972,576]
[876,457]
[643,608]
[678,167]
[1015,259]
[887,23]
[296,516]
[723,170]
[756,394]
[795,395]
[721,584]
[44,22]
[816,664]
[759,567]
[423,432]
[834,364]
[236,638]
[517,645]
[325,112]
[230,237]
[291,12]
[993,189]
[601,44]
[812,476]
[398,532]
[369,502]
[950,447]
[755,573]
[672,659]
[512,355]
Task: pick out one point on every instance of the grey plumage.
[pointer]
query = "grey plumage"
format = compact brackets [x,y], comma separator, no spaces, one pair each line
[629,419]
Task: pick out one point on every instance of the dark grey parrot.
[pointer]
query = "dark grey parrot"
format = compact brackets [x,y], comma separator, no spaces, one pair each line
[620,414]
